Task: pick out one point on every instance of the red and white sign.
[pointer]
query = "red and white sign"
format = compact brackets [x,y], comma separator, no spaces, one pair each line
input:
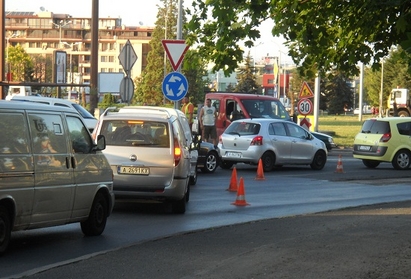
[305,106]
[175,49]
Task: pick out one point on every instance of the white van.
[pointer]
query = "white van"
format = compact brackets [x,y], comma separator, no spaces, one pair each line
[88,118]
[51,171]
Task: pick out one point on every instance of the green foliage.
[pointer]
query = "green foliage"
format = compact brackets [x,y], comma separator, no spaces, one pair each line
[322,35]
[395,72]
[21,65]
[149,90]
[339,93]
[246,79]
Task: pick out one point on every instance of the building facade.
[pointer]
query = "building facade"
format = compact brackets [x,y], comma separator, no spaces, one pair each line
[43,33]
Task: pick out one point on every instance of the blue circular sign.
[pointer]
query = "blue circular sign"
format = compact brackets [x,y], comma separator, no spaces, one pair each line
[175,86]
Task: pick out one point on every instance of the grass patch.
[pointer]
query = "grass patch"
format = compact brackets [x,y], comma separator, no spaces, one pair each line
[342,128]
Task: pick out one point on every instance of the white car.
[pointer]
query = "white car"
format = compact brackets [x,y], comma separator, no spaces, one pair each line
[276,142]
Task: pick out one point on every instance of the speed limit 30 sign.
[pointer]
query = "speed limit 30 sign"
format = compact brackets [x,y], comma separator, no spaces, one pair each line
[305,106]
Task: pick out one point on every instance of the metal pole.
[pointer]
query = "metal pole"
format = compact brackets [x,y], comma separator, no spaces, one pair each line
[382,87]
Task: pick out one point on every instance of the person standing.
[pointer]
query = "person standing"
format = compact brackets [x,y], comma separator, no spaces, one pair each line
[207,118]
[188,110]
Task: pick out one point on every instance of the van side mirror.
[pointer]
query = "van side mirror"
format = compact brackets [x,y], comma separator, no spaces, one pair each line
[100,143]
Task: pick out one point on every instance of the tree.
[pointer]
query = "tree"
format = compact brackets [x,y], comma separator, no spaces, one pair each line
[339,93]
[194,70]
[246,78]
[322,35]
[20,63]
[149,90]
[395,73]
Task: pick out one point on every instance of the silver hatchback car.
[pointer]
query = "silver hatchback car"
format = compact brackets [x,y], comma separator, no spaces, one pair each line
[149,156]
[275,142]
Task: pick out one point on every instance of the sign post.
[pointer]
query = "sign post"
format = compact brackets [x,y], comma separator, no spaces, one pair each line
[175,85]
[127,59]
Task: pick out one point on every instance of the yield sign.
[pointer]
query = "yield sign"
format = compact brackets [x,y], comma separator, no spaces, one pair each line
[306,91]
[175,50]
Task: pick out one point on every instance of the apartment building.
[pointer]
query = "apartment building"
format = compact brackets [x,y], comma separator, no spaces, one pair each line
[44,32]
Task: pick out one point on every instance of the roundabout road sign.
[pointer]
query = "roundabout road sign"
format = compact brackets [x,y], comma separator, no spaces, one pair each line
[305,106]
[175,86]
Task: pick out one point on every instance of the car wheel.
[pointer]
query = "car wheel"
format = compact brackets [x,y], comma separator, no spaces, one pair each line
[97,219]
[193,178]
[371,164]
[211,162]
[401,160]
[320,158]
[226,165]
[5,229]
[268,161]
[179,207]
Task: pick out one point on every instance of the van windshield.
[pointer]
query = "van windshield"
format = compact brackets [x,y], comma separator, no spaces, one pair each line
[266,109]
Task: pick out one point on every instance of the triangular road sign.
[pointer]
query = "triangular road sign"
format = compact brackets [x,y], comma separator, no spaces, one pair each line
[306,91]
[175,50]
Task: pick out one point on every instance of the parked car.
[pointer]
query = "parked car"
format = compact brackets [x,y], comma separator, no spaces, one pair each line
[149,154]
[327,139]
[366,110]
[208,158]
[51,171]
[276,142]
[384,140]
[88,118]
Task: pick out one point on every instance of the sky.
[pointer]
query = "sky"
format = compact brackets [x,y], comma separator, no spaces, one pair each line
[133,13]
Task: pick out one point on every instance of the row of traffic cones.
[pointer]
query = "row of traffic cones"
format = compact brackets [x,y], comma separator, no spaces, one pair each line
[240,200]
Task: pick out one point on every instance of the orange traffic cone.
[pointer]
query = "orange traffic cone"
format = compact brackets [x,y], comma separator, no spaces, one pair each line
[233,182]
[339,165]
[260,171]
[240,200]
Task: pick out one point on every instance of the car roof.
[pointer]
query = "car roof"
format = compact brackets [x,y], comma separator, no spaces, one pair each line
[391,119]
[39,99]
[34,106]
[241,96]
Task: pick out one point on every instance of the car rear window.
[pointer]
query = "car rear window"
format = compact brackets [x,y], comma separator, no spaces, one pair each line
[136,133]
[243,128]
[374,126]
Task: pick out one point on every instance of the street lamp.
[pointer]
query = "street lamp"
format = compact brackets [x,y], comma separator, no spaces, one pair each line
[59,26]
[71,64]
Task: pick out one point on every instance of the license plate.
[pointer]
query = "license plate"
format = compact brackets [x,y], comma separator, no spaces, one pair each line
[234,154]
[133,170]
[364,148]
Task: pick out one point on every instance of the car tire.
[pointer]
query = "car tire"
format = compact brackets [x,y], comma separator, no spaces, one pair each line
[193,178]
[211,162]
[401,160]
[268,161]
[226,165]
[320,158]
[179,207]
[371,164]
[97,219]
[5,229]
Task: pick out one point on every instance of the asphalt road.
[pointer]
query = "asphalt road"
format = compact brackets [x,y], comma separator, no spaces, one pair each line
[336,244]
[362,242]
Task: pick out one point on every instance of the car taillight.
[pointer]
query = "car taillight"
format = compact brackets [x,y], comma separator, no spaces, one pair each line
[386,137]
[177,152]
[258,140]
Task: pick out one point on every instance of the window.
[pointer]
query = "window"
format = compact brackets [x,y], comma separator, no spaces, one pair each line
[79,135]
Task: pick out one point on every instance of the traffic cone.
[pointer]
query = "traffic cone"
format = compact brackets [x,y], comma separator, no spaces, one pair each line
[339,165]
[260,171]
[233,182]
[240,200]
